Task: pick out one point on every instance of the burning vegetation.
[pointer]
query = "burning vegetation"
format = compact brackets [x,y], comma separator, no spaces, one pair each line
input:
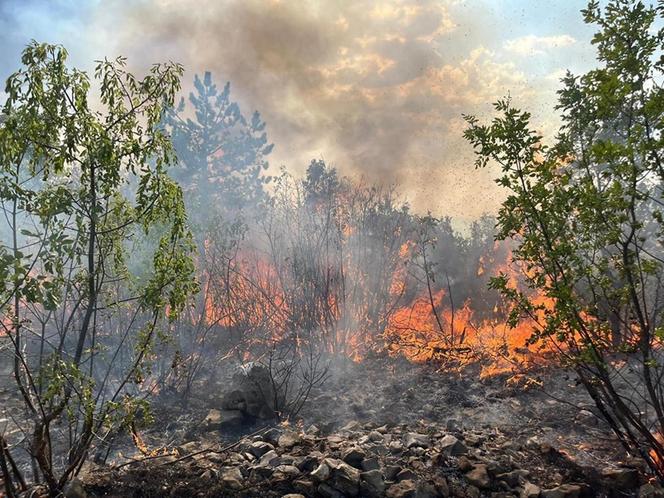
[148,257]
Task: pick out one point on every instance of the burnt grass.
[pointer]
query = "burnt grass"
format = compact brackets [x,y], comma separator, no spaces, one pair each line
[540,425]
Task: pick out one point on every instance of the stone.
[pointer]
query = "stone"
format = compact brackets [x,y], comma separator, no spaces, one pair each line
[586,417]
[321,473]
[514,478]
[464,464]
[375,437]
[479,476]
[562,491]
[453,425]
[271,436]
[650,491]
[270,459]
[413,439]
[391,472]
[406,475]
[231,477]
[621,478]
[252,392]
[451,446]
[259,448]
[305,486]
[289,439]
[370,464]
[287,471]
[353,456]
[293,495]
[327,491]
[530,490]
[395,447]
[426,490]
[403,489]
[372,483]
[343,477]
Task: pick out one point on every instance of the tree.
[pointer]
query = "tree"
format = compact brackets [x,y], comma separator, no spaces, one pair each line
[586,215]
[81,189]
[222,154]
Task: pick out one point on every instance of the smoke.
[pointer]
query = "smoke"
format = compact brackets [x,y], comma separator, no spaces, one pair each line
[377,89]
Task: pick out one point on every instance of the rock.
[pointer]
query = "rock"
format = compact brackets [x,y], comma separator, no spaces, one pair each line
[307,487]
[372,483]
[231,477]
[353,456]
[351,426]
[621,478]
[395,447]
[451,446]
[464,464]
[562,491]
[404,489]
[413,439]
[442,486]
[343,477]
[259,448]
[426,490]
[586,417]
[530,490]
[252,392]
[271,436]
[327,491]
[287,471]
[406,475]
[514,478]
[270,459]
[306,463]
[479,476]
[370,464]
[289,439]
[321,473]
[375,437]
[293,495]
[391,472]
[74,489]
[650,491]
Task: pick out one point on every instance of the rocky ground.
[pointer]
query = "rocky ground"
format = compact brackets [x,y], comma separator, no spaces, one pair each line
[390,428]
[383,427]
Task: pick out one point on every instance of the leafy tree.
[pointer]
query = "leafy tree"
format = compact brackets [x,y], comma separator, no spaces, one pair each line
[82,188]
[222,154]
[586,213]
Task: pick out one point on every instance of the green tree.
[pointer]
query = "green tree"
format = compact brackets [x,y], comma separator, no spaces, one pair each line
[586,215]
[82,189]
[222,153]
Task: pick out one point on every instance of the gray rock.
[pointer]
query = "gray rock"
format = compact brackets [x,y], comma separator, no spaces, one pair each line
[270,459]
[562,491]
[343,477]
[451,446]
[530,490]
[289,439]
[406,475]
[403,489]
[370,464]
[479,476]
[259,448]
[327,491]
[231,477]
[321,473]
[252,392]
[353,456]
[372,483]
[412,439]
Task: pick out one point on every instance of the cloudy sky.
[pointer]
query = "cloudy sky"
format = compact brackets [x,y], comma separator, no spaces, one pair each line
[376,88]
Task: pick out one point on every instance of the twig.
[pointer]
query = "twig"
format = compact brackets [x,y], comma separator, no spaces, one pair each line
[190,455]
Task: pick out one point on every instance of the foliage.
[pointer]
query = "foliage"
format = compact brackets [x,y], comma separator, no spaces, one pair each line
[81,189]
[586,213]
[222,153]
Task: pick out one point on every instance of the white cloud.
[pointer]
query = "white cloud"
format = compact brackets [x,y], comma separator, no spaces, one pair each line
[537,45]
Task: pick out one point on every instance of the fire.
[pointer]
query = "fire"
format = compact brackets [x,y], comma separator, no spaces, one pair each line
[254,298]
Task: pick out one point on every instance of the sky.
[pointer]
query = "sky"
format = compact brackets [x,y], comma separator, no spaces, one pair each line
[375,88]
